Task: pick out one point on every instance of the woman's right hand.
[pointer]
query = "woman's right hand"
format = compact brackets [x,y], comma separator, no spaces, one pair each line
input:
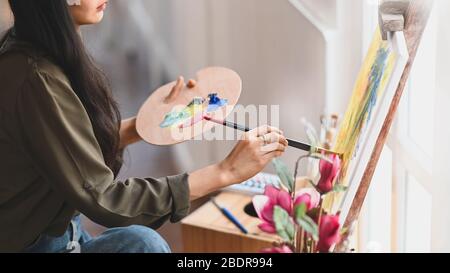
[252,153]
[249,157]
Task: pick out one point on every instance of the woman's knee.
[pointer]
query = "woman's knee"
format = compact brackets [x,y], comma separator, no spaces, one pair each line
[144,240]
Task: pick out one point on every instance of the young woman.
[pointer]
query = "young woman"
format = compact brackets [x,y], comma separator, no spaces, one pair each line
[61,140]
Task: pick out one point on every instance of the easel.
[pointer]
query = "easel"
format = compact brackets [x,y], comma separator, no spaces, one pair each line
[411,17]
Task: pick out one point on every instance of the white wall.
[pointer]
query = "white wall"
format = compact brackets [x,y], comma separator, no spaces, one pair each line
[278,52]
[441,172]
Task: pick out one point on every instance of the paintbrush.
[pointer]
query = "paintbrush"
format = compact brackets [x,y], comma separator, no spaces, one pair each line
[292,143]
[230,216]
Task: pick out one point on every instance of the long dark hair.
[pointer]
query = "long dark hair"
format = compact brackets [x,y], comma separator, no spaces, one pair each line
[49,26]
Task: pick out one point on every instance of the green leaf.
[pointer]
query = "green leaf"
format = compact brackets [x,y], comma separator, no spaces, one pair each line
[286,177]
[309,226]
[340,188]
[283,224]
[300,210]
[306,222]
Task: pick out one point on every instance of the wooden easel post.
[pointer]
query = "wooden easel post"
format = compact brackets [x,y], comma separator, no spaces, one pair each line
[392,16]
[415,20]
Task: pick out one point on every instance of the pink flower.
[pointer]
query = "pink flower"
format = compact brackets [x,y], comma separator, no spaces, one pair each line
[281,249]
[264,205]
[328,173]
[308,196]
[279,197]
[329,232]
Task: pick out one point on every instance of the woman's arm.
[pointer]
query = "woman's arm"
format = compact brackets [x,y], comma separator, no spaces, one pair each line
[248,158]
[128,133]
[59,139]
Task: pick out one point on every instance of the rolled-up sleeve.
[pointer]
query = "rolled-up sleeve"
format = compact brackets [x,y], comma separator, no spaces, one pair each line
[59,139]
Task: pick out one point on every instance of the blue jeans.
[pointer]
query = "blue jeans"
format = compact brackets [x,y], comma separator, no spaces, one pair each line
[132,239]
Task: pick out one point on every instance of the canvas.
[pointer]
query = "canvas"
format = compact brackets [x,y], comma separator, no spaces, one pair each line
[374,90]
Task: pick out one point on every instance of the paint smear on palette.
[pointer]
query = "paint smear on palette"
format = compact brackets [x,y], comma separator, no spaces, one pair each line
[194,112]
[370,86]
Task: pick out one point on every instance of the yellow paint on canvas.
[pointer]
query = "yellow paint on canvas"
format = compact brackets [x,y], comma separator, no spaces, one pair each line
[357,113]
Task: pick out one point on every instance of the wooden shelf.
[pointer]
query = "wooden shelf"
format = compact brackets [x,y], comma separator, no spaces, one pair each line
[207,231]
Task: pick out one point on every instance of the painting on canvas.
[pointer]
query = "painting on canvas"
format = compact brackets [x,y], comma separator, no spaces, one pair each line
[369,105]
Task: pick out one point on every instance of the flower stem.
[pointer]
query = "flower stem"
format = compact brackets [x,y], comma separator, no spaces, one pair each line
[297,164]
[300,238]
[319,220]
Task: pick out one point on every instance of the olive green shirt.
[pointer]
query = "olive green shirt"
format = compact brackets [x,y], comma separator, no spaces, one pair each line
[51,164]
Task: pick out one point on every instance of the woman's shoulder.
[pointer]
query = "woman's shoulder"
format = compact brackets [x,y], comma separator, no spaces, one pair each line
[18,59]
[25,73]
[19,64]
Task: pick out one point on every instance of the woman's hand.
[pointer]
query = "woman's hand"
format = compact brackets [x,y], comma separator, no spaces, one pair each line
[249,157]
[128,133]
[252,154]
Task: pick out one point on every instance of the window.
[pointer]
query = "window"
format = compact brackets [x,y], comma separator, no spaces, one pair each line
[397,213]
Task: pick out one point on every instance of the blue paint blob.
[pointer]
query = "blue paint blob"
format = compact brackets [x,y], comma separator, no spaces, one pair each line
[376,77]
[215,102]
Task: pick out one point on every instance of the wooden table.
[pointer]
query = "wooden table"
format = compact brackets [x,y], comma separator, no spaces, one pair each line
[207,231]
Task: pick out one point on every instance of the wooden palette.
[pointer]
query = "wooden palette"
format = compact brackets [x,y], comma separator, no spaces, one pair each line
[223,81]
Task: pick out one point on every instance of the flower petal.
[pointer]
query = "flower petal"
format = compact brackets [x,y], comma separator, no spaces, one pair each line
[268,227]
[328,232]
[303,199]
[267,212]
[259,202]
[328,173]
[271,192]
[284,200]
[312,194]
